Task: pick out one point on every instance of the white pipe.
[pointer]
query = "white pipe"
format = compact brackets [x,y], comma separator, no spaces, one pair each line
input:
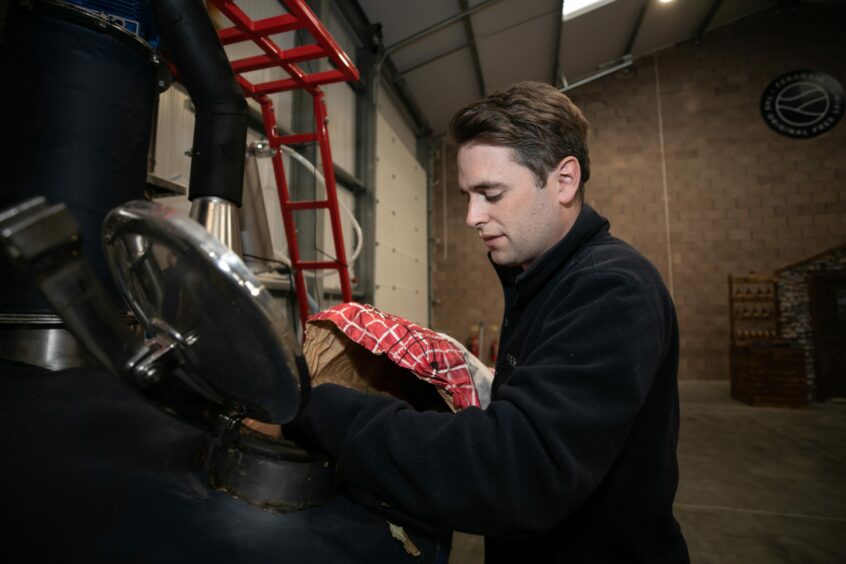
[664,181]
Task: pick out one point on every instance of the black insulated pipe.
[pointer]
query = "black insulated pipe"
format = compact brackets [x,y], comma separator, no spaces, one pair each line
[220,129]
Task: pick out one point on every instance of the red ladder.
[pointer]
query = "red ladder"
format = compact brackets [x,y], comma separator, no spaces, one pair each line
[299,16]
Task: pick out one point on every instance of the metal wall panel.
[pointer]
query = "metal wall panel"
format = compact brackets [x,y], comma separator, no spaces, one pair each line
[389,108]
[174,136]
[340,97]
[401,265]
[271,197]
[340,110]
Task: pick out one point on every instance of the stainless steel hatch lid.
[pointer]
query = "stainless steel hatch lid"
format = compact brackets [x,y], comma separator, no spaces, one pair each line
[204,310]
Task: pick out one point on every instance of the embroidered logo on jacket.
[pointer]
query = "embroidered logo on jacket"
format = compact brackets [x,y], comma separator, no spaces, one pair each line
[512,361]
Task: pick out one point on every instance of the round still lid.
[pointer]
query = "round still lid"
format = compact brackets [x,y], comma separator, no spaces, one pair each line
[198,300]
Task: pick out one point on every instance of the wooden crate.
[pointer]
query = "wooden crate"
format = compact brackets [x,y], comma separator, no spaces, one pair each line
[753,309]
[766,375]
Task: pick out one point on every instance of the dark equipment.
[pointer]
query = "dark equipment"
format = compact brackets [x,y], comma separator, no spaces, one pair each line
[145,458]
[194,299]
[163,467]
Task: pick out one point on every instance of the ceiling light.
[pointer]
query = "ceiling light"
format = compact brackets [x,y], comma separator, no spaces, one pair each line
[665,1]
[574,8]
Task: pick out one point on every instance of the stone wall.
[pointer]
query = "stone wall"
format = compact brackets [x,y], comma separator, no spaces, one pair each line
[795,319]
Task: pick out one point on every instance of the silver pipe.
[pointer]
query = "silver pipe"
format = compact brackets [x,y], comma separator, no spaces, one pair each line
[54,348]
[220,218]
[255,234]
[627,61]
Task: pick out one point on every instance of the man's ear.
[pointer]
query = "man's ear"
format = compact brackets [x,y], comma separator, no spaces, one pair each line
[567,176]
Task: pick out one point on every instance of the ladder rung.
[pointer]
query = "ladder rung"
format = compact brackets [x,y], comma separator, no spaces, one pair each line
[296,138]
[305,81]
[307,205]
[249,64]
[303,53]
[268,26]
[295,55]
[318,265]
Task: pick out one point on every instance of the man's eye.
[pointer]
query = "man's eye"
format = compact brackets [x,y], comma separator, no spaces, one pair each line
[493,197]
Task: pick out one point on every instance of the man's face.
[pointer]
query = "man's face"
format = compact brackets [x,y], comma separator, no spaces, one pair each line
[517,220]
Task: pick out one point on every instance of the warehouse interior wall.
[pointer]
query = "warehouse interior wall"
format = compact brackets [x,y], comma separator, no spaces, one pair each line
[401,263]
[687,171]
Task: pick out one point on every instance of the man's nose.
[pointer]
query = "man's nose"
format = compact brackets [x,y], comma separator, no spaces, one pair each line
[476,215]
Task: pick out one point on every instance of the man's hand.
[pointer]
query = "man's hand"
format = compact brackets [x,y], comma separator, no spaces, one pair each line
[272,429]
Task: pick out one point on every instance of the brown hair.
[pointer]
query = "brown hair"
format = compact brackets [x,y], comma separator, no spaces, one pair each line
[537,121]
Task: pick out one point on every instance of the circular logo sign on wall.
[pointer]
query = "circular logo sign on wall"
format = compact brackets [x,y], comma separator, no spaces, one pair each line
[802,103]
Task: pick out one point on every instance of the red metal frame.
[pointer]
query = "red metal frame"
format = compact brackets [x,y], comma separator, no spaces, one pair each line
[299,16]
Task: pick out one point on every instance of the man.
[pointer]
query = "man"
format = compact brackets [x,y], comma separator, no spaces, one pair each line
[574,460]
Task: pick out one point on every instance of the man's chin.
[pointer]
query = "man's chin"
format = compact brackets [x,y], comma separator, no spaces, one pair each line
[500,259]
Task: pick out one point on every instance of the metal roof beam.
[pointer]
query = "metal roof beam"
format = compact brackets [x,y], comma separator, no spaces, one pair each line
[474,50]
[709,17]
[557,77]
[644,6]
[437,27]
[626,61]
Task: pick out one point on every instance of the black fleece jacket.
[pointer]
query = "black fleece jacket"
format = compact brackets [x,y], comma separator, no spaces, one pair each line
[575,458]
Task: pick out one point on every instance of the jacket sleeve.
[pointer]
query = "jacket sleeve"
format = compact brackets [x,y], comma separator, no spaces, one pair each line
[551,434]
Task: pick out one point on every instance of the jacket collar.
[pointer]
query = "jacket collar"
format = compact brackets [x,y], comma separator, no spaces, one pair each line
[587,225]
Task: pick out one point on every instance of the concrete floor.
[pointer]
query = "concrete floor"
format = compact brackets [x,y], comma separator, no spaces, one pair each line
[758,485]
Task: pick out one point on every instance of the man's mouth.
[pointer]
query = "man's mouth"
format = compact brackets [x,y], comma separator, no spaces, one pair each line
[491,240]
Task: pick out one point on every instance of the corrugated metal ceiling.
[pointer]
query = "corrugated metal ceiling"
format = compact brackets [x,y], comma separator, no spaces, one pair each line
[503,41]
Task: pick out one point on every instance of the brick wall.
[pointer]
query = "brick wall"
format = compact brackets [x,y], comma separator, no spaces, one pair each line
[685,123]
[465,289]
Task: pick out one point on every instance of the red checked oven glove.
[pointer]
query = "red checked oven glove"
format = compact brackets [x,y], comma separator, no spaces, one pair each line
[358,346]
